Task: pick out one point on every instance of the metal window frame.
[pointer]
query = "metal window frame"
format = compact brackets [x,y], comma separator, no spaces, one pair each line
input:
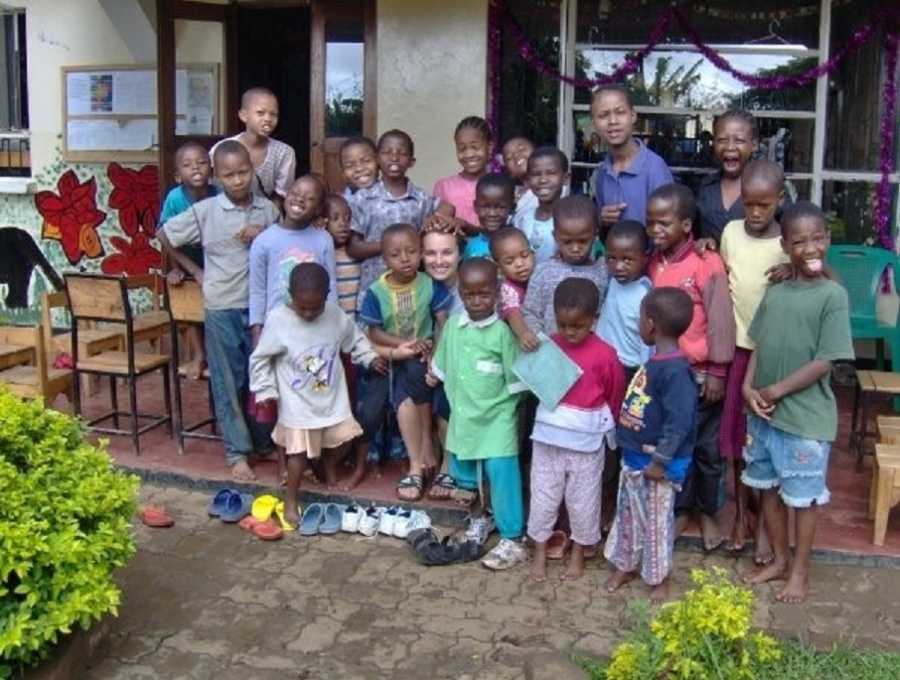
[14,94]
[818,175]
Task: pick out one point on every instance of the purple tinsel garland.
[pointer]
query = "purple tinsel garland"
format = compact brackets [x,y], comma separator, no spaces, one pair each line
[500,17]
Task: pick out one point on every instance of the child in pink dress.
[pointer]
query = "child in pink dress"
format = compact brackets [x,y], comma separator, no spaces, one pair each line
[473,151]
[515,259]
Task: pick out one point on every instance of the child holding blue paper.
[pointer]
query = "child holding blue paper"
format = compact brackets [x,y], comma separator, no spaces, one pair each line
[570,439]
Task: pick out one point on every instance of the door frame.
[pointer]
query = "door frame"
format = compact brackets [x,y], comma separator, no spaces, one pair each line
[321,12]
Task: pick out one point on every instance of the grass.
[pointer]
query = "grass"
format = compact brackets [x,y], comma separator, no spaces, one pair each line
[803,663]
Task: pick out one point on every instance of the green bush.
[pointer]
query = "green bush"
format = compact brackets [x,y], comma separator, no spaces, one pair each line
[65,526]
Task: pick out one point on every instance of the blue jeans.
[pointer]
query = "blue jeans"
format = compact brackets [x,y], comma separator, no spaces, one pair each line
[506,489]
[228,347]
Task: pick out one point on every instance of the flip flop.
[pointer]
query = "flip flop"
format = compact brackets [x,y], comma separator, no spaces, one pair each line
[238,508]
[331,521]
[312,519]
[557,545]
[268,531]
[156,518]
[220,502]
[282,522]
[263,507]
[249,523]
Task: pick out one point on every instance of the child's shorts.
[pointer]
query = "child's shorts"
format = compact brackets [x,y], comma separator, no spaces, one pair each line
[440,405]
[374,392]
[194,253]
[297,440]
[776,458]
[733,427]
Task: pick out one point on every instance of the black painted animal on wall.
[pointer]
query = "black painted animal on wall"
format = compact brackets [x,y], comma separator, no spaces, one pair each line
[19,256]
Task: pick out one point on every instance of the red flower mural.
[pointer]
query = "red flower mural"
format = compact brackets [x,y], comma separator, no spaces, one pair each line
[135,257]
[135,195]
[72,217]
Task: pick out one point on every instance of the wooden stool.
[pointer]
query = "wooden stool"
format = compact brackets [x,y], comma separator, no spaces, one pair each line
[885,490]
[869,386]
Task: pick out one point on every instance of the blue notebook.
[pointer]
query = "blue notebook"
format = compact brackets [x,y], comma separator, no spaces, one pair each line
[547,372]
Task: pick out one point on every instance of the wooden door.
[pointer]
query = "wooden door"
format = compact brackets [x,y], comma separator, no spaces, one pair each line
[342,81]
[204,20]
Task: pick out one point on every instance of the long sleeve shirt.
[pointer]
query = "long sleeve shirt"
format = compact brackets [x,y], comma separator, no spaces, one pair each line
[299,364]
[538,306]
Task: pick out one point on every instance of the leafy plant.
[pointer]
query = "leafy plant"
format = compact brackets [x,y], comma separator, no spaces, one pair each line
[65,526]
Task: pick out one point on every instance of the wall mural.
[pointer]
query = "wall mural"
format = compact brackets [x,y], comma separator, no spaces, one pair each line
[85,217]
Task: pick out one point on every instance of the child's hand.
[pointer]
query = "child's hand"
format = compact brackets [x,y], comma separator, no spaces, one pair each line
[757,403]
[249,232]
[405,351]
[431,379]
[655,472]
[713,389]
[379,365]
[529,342]
[421,348]
[780,272]
[175,277]
[612,213]
[443,224]
[701,245]
[771,394]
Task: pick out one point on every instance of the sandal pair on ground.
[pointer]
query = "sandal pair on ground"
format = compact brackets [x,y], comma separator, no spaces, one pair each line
[316,518]
[394,521]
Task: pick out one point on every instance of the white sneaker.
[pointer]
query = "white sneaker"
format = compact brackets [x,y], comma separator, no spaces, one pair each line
[505,555]
[408,520]
[480,528]
[368,522]
[388,520]
[350,518]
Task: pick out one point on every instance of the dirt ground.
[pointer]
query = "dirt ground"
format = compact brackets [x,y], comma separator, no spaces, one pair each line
[206,600]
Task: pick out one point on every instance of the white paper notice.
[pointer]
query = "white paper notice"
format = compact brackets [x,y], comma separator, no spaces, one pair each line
[134,92]
[110,135]
[78,93]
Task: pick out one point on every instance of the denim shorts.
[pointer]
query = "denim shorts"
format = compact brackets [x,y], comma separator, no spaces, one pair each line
[776,458]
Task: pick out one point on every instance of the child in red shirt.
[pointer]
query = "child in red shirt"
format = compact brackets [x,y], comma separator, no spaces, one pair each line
[708,343]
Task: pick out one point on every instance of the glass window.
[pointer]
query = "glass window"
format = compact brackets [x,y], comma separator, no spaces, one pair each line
[720,22]
[344,72]
[13,83]
[850,207]
[685,79]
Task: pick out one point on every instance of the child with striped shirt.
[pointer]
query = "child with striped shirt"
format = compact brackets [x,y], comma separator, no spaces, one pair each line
[347,269]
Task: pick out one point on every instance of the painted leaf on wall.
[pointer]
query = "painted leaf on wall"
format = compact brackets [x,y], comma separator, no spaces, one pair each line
[135,195]
[71,216]
[135,257]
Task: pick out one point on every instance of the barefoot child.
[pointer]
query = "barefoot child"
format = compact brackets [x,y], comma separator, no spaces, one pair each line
[788,390]
[548,174]
[274,162]
[403,305]
[493,205]
[474,361]
[656,432]
[192,171]
[297,363]
[225,226]
[359,164]
[570,440]
[515,259]
[708,343]
[750,249]
[473,142]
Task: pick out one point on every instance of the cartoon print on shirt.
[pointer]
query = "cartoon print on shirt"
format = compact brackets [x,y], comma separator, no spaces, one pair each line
[315,367]
[635,403]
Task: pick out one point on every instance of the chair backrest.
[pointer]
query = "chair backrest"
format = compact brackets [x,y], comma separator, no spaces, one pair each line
[185,302]
[95,297]
[860,270]
[49,302]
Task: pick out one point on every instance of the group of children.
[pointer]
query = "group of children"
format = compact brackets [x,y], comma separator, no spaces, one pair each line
[339,307]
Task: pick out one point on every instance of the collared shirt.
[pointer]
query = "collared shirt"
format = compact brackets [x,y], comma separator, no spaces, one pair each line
[711,212]
[474,360]
[375,209]
[405,310]
[178,200]
[215,223]
[633,185]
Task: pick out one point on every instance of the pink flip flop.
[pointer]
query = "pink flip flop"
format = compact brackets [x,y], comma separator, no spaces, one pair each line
[156,518]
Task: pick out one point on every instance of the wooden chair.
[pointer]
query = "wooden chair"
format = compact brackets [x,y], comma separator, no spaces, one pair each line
[185,305]
[884,493]
[33,376]
[16,348]
[152,325]
[96,297]
[870,385]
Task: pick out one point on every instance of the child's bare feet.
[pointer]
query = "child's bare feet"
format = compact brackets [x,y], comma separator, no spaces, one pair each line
[539,563]
[291,513]
[775,571]
[242,472]
[738,540]
[681,523]
[712,534]
[796,589]
[619,579]
[762,549]
[575,569]
[659,593]
[359,474]
[196,367]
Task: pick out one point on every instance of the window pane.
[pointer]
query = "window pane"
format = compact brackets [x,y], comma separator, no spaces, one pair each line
[198,93]
[686,140]
[850,207]
[344,71]
[855,102]
[688,80]
[720,22]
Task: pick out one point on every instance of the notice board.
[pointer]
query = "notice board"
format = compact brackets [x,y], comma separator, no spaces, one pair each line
[110,111]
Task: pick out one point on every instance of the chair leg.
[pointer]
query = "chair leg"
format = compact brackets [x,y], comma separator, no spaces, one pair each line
[863,430]
[857,391]
[214,425]
[179,414]
[135,436]
[114,400]
[167,397]
[883,505]
[873,491]
[76,393]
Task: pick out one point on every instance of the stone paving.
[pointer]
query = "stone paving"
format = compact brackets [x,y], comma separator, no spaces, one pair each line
[207,600]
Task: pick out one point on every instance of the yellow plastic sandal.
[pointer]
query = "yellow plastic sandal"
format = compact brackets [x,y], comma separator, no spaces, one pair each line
[263,507]
[279,514]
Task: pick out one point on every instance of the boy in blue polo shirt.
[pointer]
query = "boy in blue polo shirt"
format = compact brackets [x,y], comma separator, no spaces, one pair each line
[631,171]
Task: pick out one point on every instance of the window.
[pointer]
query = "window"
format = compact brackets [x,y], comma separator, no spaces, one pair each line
[825,134]
[14,141]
